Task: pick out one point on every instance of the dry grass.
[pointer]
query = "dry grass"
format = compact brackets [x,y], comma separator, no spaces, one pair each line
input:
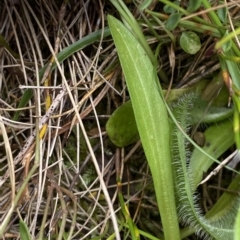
[56,200]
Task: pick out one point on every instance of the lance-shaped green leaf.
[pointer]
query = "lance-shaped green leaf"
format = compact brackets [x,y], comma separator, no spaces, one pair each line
[152,121]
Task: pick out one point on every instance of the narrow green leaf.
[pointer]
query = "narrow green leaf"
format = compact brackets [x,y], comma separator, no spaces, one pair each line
[152,121]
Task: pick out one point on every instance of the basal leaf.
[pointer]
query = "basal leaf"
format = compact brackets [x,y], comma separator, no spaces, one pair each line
[152,121]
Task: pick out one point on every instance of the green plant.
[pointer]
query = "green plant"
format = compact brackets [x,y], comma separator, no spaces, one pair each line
[147,102]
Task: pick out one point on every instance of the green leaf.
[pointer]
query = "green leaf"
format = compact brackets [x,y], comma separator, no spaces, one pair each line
[152,121]
[190,42]
[193,5]
[121,126]
[173,21]
[24,232]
